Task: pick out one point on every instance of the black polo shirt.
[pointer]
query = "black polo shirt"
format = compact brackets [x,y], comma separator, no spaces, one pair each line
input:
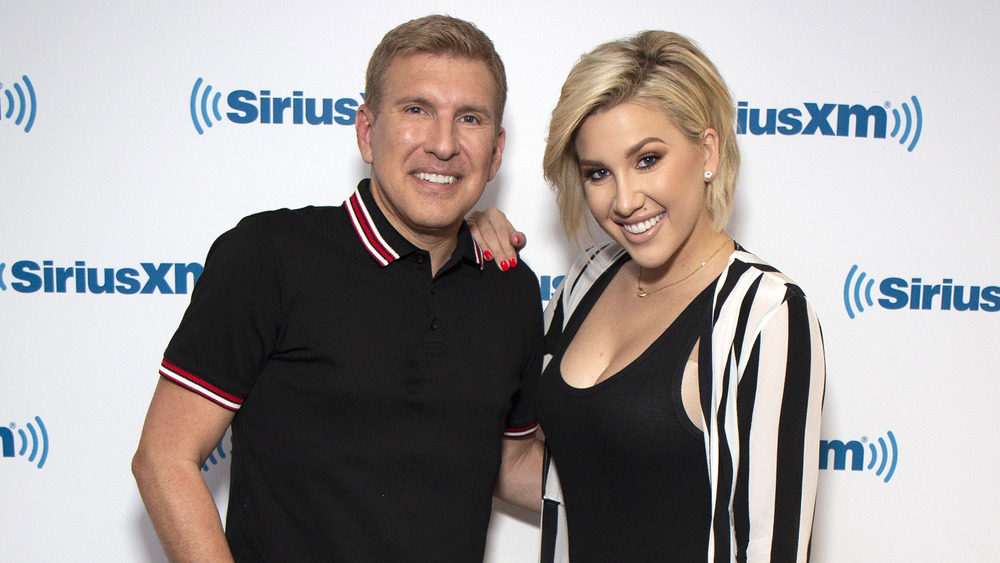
[370,396]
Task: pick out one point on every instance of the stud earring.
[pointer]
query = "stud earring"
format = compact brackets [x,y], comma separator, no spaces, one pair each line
[708,175]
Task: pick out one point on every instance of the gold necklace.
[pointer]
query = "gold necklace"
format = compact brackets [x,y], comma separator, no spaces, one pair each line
[643,293]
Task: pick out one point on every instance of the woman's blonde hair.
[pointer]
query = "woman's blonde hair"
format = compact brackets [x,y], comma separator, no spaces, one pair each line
[659,70]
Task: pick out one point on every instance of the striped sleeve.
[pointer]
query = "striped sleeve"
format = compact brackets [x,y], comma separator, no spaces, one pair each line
[520,432]
[780,378]
[197,385]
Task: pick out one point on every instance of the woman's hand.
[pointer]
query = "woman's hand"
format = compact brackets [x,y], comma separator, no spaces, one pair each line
[499,239]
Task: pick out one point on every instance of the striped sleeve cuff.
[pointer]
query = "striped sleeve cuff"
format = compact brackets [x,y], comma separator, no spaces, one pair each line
[520,432]
[199,386]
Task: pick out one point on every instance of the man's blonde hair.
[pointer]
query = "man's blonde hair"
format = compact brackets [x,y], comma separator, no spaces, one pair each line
[434,35]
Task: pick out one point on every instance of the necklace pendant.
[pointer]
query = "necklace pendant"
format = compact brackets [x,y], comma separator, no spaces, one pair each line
[640,292]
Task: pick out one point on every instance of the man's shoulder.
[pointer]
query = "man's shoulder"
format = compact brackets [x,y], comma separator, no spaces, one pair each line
[522,273]
[278,224]
[287,232]
[291,217]
[518,285]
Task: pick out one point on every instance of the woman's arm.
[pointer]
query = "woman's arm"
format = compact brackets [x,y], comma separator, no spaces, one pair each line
[499,239]
[780,399]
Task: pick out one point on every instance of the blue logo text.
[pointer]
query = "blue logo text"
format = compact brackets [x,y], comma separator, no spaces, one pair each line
[884,456]
[261,106]
[900,293]
[548,285]
[833,120]
[29,276]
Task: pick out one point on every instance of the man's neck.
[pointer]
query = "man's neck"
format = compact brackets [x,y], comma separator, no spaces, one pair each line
[439,243]
[440,251]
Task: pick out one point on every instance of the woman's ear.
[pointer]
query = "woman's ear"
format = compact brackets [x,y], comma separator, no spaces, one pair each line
[710,148]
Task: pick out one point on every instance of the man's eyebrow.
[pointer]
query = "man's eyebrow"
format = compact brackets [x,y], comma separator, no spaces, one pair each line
[468,108]
[411,100]
[474,109]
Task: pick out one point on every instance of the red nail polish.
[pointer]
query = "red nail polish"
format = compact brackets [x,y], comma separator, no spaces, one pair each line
[488,255]
[503,265]
[513,262]
[517,239]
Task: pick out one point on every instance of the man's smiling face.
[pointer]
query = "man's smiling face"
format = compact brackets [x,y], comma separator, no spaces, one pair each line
[435,143]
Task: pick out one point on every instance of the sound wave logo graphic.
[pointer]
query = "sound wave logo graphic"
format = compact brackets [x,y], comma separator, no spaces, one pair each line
[914,122]
[25,103]
[200,105]
[223,449]
[35,440]
[855,292]
[885,456]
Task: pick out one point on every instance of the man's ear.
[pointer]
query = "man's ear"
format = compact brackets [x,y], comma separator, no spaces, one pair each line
[363,122]
[498,145]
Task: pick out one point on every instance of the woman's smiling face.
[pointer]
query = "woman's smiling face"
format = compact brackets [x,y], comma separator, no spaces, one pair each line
[644,181]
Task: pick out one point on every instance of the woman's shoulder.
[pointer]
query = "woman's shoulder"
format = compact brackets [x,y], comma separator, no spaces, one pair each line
[589,266]
[743,264]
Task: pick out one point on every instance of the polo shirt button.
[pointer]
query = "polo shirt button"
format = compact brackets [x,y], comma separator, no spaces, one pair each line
[420,258]
[434,324]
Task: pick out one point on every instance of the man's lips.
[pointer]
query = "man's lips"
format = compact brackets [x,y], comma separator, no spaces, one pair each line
[435,178]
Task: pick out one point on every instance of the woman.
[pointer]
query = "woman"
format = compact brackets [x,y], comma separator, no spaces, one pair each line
[683,395]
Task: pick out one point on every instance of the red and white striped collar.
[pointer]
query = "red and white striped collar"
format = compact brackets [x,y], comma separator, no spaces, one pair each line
[382,241]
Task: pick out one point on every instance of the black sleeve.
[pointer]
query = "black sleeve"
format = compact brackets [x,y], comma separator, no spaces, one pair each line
[233,320]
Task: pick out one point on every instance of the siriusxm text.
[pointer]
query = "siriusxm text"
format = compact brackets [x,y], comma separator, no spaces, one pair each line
[816,119]
[166,278]
[883,455]
[249,108]
[915,294]
[840,450]
[548,285]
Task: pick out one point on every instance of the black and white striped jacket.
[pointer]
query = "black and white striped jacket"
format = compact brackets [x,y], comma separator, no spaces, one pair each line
[762,373]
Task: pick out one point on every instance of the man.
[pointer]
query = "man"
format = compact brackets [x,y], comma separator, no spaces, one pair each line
[354,350]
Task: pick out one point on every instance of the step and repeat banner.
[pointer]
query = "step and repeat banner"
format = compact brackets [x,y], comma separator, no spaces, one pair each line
[131,135]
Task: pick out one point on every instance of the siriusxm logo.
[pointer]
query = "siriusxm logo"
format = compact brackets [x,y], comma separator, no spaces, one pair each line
[23,105]
[221,451]
[548,285]
[884,456]
[833,120]
[14,440]
[898,293]
[263,107]
[27,276]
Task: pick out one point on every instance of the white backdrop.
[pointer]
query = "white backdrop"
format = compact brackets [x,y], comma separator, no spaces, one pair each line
[102,167]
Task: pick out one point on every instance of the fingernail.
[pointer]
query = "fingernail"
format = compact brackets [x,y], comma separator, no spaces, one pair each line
[513,262]
[503,265]
[517,239]
[488,255]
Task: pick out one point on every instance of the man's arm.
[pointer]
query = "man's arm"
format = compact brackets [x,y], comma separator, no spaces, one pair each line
[520,480]
[181,430]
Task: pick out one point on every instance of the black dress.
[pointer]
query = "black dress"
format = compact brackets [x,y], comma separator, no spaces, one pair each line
[631,463]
